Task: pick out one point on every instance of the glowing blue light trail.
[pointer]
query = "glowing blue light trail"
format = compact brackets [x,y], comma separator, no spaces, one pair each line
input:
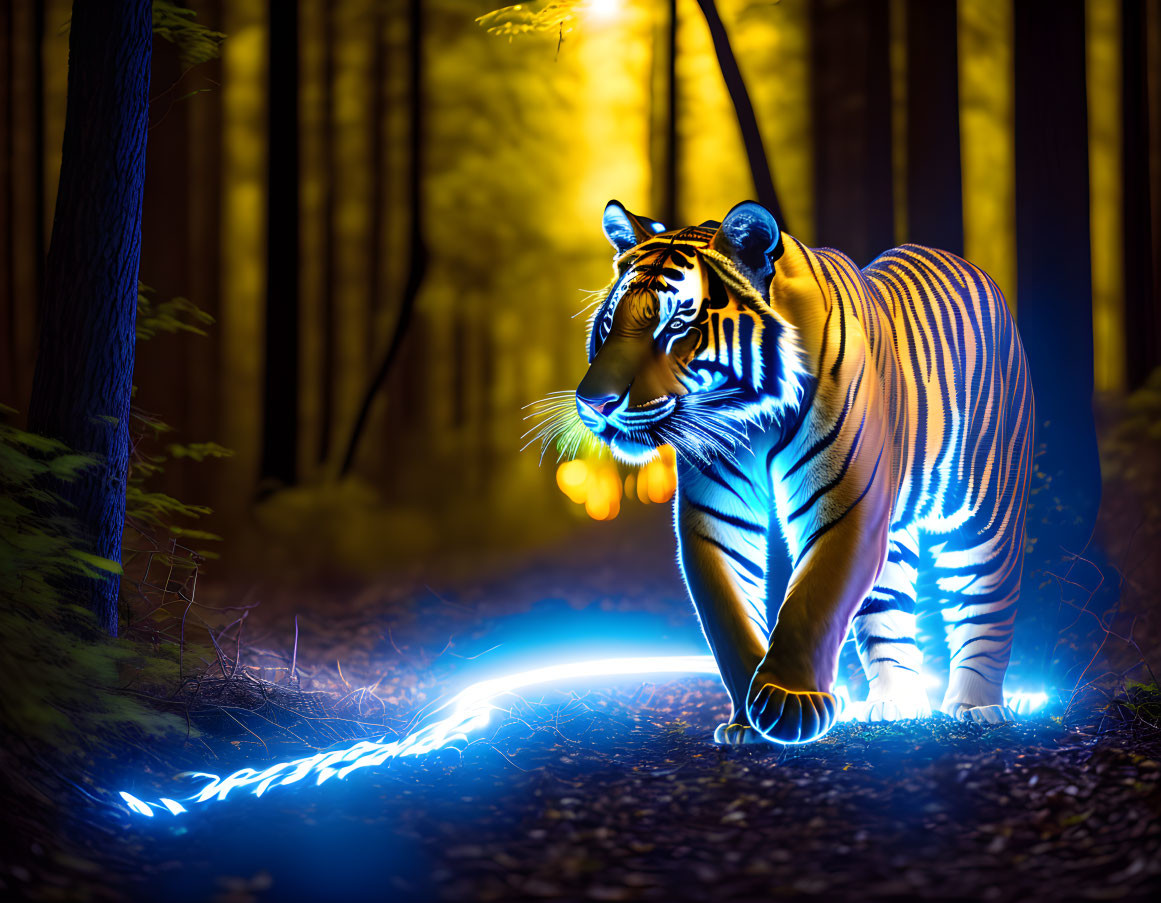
[465,714]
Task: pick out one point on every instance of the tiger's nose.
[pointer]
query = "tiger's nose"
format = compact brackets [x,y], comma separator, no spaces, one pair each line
[595,411]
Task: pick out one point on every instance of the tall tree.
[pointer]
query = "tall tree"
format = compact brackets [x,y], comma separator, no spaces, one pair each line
[1142,258]
[1054,269]
[851,84]
[744,111]
[330,350]
[280,410]
[84,371]
[418,255]
[664,157]
[1054,309]
[21,189]
[934,185]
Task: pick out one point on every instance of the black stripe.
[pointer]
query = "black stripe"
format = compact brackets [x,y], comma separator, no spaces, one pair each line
[739,559]
[878,640]
[832,433]
[817,535]
[727,518]
[838,478]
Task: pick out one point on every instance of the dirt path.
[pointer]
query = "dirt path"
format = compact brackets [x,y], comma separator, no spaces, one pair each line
[607,792]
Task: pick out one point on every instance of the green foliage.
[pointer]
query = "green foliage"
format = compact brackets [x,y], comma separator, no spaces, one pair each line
[176,24]
[59,673]
[526,18]
[1140,703]
[172,316]
[146,510]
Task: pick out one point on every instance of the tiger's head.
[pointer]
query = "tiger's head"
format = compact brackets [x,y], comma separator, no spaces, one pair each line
[685,349]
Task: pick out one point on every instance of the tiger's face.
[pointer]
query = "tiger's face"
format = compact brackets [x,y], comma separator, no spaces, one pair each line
[674,356]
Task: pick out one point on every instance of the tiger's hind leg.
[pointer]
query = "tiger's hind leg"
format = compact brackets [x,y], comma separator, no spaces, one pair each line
[884,630]
[979,588]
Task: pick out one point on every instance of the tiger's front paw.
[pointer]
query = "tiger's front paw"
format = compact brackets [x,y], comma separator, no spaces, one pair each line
[892,708]
[791,716]
[734,734]
[981,714]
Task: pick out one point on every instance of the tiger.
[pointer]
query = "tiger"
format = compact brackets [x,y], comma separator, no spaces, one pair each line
[839,433]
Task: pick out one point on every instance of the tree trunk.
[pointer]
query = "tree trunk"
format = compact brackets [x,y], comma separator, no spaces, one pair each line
[668,213]
[84,372]
[330,351]
[851,83]
[744,109]
[1054,291]
[21,192]
[1142,323]
[280,410]
[1053,253]
[934,187]
[417,263]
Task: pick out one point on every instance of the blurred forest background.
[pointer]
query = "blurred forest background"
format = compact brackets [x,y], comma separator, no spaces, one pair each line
[368,227]
[354,173]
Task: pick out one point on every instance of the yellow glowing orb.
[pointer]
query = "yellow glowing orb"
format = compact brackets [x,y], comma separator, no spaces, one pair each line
[596,483]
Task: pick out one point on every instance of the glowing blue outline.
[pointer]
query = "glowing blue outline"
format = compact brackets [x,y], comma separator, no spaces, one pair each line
[467,712]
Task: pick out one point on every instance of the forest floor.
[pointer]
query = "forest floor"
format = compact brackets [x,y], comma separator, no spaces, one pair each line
[608,792]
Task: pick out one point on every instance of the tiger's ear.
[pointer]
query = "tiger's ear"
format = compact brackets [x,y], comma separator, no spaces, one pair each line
[624,230]
[750,237]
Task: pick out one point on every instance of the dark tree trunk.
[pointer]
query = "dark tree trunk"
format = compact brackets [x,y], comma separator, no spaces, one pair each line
[84,372]
[330,315]
[1142,323]
[10,372]
[744,110]
[934,188]
[851,81]
[280,411]
[1054,285]
[1054,310]
[21,192]
[380,170]
[669,173]
[417,263]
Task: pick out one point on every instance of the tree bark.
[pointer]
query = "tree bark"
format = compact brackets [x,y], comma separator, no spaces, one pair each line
[329,355]
[1054,269]
[1054,292]
[1142,260]
[22,194]
[934,184]
[851,84]
[744,109]
[280,410]
[417,263]
[84,371]
[669,172]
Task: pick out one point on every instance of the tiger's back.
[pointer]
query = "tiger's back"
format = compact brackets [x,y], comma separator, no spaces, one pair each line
[956,394]
[956,387]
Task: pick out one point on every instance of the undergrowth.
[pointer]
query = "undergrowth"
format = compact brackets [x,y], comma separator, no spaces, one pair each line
[60,674]
[69,690]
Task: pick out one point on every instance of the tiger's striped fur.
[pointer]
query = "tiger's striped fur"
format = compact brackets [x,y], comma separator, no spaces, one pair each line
[834,428]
